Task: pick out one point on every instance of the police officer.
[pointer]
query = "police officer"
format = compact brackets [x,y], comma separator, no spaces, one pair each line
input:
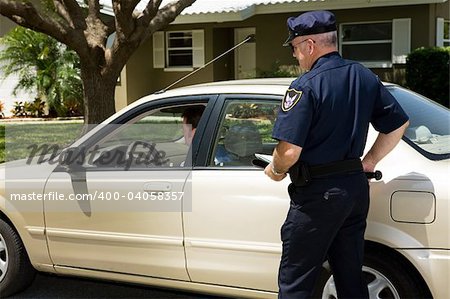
[322,128]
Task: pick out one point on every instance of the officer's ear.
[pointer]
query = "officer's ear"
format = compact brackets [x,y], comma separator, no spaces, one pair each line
[310,50]
[311,46]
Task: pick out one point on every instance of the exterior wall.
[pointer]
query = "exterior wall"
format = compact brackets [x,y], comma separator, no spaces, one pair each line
[121,95]
[420,30]
[270,34]
[139,77]
[164,77]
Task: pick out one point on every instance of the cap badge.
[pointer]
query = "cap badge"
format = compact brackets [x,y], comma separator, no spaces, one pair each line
[291,98]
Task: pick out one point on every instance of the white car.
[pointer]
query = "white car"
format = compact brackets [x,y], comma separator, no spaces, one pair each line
[141,206]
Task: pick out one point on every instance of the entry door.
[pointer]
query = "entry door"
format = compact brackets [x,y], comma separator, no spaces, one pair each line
[245,55]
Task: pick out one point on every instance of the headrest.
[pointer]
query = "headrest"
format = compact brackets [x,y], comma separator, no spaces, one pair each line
[243,140]
[420,134]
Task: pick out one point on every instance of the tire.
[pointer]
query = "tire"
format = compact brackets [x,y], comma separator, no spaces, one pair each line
[387,277]
[16,271]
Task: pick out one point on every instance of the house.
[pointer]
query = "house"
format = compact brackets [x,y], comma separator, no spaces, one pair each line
[377,33]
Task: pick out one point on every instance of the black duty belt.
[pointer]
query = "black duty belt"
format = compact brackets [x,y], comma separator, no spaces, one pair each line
[338,167]
[301,173]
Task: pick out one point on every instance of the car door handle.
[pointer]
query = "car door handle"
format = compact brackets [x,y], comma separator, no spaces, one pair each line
[157,186]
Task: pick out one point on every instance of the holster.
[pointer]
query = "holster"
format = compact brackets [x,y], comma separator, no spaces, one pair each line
[300,174]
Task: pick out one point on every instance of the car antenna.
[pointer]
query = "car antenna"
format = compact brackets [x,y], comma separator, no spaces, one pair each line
[249,38]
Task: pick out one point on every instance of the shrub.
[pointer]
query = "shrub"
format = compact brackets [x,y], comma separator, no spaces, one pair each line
[36,108]
[2,107]
[19,109]
[26,109]
[280,71]
[427,72]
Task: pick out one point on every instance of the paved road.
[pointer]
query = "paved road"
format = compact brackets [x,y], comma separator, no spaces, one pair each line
[49,287]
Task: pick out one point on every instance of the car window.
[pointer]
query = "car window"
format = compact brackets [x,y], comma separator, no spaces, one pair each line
[429,129]
[152,139]
[245,129]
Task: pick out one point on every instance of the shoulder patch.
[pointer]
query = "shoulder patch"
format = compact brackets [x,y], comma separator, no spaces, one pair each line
[290,99]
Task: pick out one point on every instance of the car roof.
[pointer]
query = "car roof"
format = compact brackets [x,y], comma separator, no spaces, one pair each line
[277,85]
[256,86]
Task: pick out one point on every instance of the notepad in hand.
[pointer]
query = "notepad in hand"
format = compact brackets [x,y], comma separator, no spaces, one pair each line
[262,160]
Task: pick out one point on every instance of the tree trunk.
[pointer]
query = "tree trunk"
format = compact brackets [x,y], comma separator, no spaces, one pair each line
[99,92]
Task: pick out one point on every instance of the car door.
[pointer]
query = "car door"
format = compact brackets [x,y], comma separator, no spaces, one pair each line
[232,233]
[122,210]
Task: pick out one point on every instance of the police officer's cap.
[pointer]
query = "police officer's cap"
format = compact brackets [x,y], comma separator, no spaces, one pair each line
[312,22]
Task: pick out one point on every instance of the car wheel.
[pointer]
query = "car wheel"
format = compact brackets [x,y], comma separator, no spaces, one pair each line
[16,271]
[386,277]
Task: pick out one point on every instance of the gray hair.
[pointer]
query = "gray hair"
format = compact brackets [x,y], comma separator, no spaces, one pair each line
[327,39]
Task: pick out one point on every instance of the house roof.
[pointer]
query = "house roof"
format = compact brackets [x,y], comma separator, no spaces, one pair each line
[205,11]
[214,6]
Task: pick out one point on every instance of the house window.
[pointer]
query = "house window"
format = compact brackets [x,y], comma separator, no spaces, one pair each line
[369,43]
[442,33]
[178,50]
[446,34]
[376,44]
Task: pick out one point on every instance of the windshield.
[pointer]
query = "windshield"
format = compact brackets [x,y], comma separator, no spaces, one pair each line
[429,129]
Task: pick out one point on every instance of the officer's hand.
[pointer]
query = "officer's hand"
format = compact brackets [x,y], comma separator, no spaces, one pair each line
[269,172]
[368,166]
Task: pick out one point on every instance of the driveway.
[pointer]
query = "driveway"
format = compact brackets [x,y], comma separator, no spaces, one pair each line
[49,286]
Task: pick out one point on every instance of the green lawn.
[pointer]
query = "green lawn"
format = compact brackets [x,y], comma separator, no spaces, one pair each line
[17,139]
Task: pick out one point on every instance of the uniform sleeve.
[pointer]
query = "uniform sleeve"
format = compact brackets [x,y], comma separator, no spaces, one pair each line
[294,117]
[387,114]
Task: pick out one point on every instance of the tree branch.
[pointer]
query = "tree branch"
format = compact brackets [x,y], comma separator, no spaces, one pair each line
[62,11]
[123,10]
[94,9]
[167,15]
[110,26]
[76,13]
[149,21]
[26,15]
[149,12]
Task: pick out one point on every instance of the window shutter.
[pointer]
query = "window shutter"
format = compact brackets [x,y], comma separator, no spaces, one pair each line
[158,50]
[401,40]
[198,48]
[439,32]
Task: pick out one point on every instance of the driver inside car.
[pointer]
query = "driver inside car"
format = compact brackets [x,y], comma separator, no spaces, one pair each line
[191,117]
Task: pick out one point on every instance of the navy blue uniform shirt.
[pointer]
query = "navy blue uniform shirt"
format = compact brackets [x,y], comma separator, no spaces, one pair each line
[327,110]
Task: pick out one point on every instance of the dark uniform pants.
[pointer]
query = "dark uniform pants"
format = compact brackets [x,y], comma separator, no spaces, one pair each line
[326,220]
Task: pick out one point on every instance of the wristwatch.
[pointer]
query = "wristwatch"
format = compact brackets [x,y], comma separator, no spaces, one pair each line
[276,172]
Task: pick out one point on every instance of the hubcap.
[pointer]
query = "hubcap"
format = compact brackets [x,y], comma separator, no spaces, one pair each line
[3,258]
[379,286]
